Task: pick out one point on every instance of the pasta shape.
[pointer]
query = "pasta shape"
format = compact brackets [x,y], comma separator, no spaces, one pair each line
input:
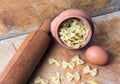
[73,32]
[66,64]
[54,61]
[78,60]
[71,76]
[38,80]
[57,79]
[92,72]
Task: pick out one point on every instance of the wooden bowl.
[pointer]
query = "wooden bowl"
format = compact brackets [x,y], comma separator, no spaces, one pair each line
[71,13]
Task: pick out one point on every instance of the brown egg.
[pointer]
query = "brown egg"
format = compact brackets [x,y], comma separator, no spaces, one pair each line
[96,55]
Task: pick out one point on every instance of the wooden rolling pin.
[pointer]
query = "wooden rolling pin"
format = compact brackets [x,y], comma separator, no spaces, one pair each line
[27,57]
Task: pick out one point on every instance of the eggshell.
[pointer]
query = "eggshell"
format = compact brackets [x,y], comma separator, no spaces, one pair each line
[97,55]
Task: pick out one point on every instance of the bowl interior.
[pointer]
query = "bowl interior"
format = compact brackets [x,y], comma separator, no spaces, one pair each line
[87,24]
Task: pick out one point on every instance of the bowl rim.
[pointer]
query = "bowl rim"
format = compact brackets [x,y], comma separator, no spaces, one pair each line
[84,21]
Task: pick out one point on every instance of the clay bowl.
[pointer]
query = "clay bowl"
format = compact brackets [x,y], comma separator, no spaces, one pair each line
[71,13]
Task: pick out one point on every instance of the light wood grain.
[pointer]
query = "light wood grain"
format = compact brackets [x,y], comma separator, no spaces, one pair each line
[21,16]
[107,32]
[7,49]
[24,61]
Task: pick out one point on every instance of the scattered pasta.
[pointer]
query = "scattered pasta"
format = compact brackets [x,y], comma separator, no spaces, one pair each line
[86,70]
[66,64]
[71,76]
[93,72]
[54,61]
[57,79]
[78,60]
[38,80]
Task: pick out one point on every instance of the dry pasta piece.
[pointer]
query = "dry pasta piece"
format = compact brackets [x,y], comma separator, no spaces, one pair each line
[38,80]
[77,76]
[57,79]
[92,72]
[93,82]
[71,76]
[78,60]
[66,64]
[72,65]
[86,70]
[54,61]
